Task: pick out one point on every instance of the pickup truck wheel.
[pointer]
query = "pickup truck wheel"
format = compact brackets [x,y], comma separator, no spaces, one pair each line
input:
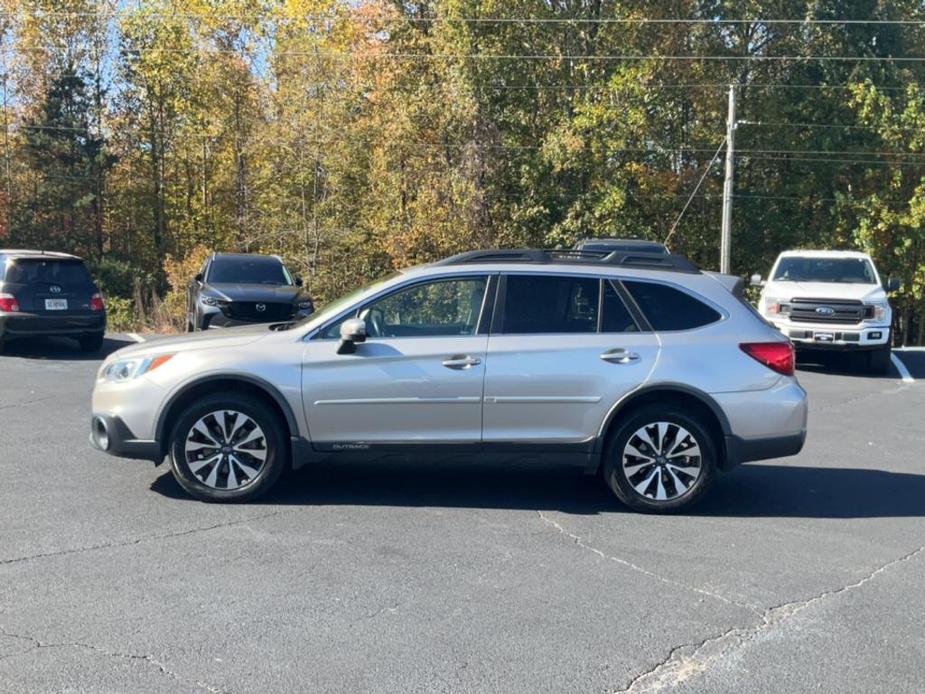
[878,361]
[660,460]
[227,447]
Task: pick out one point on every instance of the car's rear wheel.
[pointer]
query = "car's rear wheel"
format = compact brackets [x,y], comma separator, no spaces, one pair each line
[91,342]
[661,459]
[227,447]
[878,361]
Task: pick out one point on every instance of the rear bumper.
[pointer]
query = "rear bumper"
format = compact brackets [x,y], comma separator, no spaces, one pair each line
[739,450]
[20,324]
[108,433]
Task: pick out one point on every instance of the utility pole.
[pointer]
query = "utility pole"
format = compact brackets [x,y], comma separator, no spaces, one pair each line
[726,229]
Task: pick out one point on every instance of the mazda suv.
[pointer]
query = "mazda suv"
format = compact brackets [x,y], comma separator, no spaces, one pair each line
[635,365]
[235,289]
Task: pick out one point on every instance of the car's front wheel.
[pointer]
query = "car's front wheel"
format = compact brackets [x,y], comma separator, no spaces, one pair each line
[227,447]
[661,459]
[878,361]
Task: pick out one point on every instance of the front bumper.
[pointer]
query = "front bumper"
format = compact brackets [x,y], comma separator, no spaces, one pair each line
[108,433]
[835,337]
[20,324]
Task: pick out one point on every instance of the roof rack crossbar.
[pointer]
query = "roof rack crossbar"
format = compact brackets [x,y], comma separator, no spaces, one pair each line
[653,261]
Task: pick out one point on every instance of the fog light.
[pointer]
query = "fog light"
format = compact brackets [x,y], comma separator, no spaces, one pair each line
[100,433]
[874,336]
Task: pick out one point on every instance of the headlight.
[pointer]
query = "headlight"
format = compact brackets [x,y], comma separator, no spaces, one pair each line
[879,310]
[128,369]
[776,306]
[211,301]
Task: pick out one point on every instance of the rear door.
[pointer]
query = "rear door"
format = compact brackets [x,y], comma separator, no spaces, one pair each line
[563,350]
[50,287]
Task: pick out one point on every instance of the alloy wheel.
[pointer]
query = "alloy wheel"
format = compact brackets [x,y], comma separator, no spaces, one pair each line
[662,461]
[225,449]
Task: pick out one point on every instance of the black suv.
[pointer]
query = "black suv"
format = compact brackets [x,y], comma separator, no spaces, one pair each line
[44,293]
[240,289]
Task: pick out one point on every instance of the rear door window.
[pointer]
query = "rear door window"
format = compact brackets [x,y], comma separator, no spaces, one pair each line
[667,308]
[615,317]
[62,272]
[550,304]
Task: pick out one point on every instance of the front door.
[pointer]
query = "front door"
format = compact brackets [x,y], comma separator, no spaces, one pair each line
[418,378]
[563,350]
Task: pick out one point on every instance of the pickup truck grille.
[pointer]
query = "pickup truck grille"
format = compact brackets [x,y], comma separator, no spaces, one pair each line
[835,311]
[247,311]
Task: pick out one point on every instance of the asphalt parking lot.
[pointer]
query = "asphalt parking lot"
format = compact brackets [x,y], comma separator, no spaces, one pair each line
[806,573]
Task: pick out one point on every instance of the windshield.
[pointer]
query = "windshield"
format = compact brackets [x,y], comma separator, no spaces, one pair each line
[245,270]
[841,270]
[333,308]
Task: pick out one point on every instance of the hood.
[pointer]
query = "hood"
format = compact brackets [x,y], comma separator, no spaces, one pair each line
[267,293]
[226,337]
[825,290]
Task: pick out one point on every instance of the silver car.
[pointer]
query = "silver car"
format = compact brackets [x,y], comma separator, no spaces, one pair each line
[637,365]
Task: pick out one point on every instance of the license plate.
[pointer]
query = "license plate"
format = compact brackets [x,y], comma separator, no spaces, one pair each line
[56,304]
[824,337]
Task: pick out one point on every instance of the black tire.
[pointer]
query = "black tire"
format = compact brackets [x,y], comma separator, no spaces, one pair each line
[92,342]
[276,453]
[878,361]
[622,483]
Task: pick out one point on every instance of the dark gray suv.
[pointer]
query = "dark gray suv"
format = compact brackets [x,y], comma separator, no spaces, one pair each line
[44,293]
[241,288]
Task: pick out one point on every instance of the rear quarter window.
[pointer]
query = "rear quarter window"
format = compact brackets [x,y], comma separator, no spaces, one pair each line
[668,308]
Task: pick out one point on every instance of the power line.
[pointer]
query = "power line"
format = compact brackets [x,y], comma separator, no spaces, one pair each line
[486,20]
[336,55]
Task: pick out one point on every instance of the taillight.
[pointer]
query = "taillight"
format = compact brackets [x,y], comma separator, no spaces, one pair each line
[96,303]
[777,356]
[8,303]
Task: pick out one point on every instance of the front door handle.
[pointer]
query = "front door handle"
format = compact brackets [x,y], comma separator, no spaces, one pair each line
[619,356]
[461,361]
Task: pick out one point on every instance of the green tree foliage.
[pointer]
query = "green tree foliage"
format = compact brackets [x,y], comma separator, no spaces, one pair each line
[357,137]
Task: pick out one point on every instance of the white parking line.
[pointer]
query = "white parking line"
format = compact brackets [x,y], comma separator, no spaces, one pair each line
[903,371]
[136,337]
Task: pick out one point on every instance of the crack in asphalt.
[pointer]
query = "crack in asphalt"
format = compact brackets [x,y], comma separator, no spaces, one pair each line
[689,660]
[28,402]
[578,540]
[37,645]
[143,539]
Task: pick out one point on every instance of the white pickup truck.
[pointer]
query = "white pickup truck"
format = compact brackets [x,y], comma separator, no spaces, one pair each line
[832,300]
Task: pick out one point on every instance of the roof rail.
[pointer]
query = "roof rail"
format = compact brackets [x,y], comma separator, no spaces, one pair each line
[647,261]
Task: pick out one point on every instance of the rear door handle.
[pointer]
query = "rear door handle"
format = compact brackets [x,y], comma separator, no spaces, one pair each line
[619,356]
[461,361]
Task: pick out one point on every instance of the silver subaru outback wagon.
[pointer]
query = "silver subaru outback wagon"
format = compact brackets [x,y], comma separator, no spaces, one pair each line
[636,365]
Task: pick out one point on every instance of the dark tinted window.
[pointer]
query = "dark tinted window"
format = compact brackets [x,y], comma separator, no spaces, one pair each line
[616,318]
[244,270]
[549,304]
[670,309]
[63,272]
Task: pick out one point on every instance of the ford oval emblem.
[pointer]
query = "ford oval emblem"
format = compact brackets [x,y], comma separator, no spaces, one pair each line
[825,310]
[261,307]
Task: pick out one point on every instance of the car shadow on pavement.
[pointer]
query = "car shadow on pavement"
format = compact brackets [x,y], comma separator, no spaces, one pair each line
[60,348]
[839,364]
[752,490]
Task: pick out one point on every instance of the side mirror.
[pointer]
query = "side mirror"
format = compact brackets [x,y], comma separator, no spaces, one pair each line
[756,281]
[298,282]
[199,278]
[894,284]
[352,332]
